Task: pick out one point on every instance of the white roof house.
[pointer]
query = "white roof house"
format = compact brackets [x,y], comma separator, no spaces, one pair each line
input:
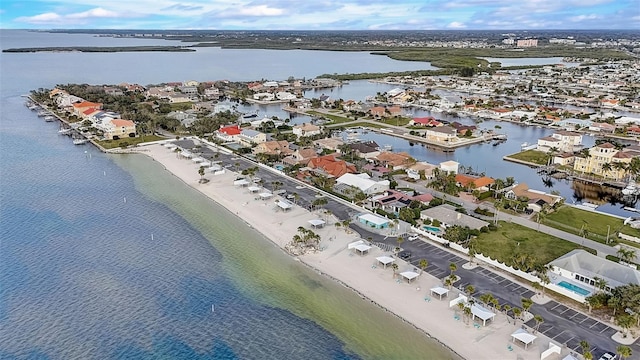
[583,267]
[364,183]
[450,166]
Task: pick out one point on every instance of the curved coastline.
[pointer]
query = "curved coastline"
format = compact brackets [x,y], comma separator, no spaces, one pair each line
[301,260]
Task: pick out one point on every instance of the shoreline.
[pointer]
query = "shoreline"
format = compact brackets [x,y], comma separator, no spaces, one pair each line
[358,273]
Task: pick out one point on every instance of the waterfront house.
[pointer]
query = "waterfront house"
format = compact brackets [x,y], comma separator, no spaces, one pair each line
[228,133]
[362,182]
[474,183]
[392,201]
[56,92]
[395,161]
[449,166]
[332,144]
[535,198]
[117,129]
[263,96]
[633,131]
[113,91]
[420,168]
[600,155]
[377,111]
[442,134]
[79,108]
[366,150]
[565,141]
[306,130]
[301,156]
[428,121]
[448,216]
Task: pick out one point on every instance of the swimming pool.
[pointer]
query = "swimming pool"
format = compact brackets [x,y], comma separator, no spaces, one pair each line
[431,228]
[575,288]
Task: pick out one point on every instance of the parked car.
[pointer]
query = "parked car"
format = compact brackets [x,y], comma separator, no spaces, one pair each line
[405,255]
[608,356]
[413,237]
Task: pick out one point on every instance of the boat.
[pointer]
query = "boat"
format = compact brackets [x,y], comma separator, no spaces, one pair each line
[49,118]
[250,116]
[80,141]
[631,189]
[42,113]
[64,131]
[387,147]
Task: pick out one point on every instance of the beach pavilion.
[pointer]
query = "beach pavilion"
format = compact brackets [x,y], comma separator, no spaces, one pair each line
[440,291]
[481,313]
[241,182]
[360,246]
[409,275]
[523,336]
[316,223]
[254,189]
[186,154]
[374,221]
[265,195]
[284,205]
[385,260]
[569,357]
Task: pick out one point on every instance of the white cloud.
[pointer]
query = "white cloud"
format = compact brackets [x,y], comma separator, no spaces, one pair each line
[579,18]
[94,13]
[260,10]
[456,25]
[46,18]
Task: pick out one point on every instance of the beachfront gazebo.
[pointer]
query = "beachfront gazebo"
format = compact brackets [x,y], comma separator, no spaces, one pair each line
[241,182]
[523,336]
[284,205]
[481,313]
[440,291]
[254,189]
[362,248]
[316,223]
[265,195]
[409,275]
[385,260]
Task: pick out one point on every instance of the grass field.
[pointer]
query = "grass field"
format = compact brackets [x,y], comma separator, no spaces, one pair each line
[112,144]
[396,121]
[532,156]
[572,220]
[512,239]
[335,119]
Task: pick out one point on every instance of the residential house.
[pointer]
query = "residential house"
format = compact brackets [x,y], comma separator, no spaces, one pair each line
[420,168]
[250,137]
[448,216]
[564,159]
[285,96]
[536,198]
[306,130]
[377,111]
[56,92]
[263,96]
[79,108]
[117,129]
[301,156]
[600,155]
[332,144]
[392,201]
[442,134]
[331,166]
[633,131]
[228,133]
[602,127]
[362,182]
[585,268]
[395,161]
[561,141]
[428,121]
[365,150]
[449,166]
[394,110]
[113,91]
[279,148]
[474,183]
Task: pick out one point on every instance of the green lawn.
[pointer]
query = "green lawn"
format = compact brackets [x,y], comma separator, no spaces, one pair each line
[572,220]
[532,156]
[112,144]
[396,121]
[512,239]
[369,125]
[336,119]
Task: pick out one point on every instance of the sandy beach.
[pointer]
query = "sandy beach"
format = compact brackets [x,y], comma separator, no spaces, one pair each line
[410,301]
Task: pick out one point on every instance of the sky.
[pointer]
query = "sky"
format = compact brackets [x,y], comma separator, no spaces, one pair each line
[320,14]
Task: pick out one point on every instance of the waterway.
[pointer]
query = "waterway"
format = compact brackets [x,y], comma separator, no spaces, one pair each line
[111,257]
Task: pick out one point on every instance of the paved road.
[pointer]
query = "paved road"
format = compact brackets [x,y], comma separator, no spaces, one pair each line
[564,325]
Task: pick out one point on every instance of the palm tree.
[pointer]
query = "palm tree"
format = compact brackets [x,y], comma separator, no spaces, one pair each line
[585,345]
[625,322]
[448,282]
[539,320]
[423,263]
[236,165]
[600,283]
[624,351]
[394,267]
[469,290]
[453,267]
[516,313]
[626,255]
[467,313]
[345,224]
[606,169]
[537,287]
[338,224]
[526,304]
[275,185]
[461,306]
[201,172]
[399,240]
[587,355]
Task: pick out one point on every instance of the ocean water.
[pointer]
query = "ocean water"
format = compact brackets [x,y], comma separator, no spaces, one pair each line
[112,257]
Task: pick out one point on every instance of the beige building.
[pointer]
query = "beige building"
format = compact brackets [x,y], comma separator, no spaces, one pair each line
[561,141]
[442,134]
[117,129]
[599,156]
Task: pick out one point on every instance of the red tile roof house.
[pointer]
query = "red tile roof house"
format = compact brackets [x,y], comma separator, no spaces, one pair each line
[228,133]
[377,111]
[633,131]
[393,200]
[425,121]
[79,108]
[331,166]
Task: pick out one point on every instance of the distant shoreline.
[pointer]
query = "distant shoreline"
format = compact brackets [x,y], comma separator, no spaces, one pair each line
[99,49]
